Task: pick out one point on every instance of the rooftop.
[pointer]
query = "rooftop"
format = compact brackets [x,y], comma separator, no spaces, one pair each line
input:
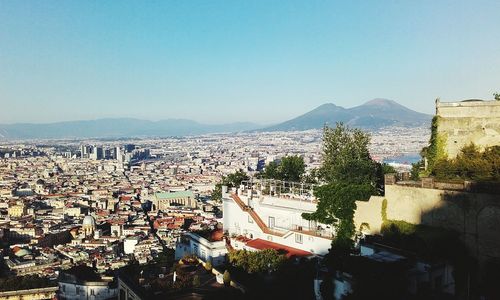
[175,195]
[260,244]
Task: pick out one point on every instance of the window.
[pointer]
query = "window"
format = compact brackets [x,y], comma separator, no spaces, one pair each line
[298,238]
[271,222]
[91,292]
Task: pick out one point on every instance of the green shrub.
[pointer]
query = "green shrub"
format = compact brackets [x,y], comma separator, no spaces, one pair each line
[256,261]
[226,277]
[384,210]
[470,164]
[208,266]
[196,281]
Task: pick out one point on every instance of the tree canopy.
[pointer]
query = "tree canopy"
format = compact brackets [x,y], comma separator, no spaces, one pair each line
[231,180]
[470,164]
[348,174]
[234,179]
[290,168]
[256,261]
[346,157]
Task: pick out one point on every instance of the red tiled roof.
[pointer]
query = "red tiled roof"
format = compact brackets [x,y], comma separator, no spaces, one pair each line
[260,244]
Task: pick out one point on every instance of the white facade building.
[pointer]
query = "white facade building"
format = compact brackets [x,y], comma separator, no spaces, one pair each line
[206,250]
[275,218]
[129,244]
[72,287]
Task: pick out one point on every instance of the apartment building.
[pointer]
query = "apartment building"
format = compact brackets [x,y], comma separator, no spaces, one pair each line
[270,217]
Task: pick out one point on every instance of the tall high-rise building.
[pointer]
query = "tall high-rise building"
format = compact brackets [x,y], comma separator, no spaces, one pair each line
[129,148]
[85,151]
[118,154]
[97,153]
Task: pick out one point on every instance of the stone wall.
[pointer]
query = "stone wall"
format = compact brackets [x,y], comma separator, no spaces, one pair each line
[369,212]
[475,216]
[461,123]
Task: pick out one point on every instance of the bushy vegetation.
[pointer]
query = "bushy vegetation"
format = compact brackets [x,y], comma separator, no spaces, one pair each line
[416,169]
[436,149]
[16,283]
[384,210]
[266,260]
[348,174]
[189,259]
[226,278]
[470,164]
[290,168]
[231,180]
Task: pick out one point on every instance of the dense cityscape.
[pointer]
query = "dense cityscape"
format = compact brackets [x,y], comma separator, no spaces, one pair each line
[310,150]
[67,202]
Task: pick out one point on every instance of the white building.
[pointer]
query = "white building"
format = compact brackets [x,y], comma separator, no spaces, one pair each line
[79,287]
[86,290]
[213,250]
[264,215]
[129,244]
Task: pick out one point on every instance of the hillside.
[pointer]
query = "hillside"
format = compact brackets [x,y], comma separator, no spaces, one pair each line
[373,114]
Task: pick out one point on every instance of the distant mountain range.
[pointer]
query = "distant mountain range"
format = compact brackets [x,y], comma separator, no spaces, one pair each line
[116,128]
[373,114]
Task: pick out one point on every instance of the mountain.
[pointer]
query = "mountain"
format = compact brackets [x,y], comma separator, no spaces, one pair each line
[371,115]
[327,113]
[121,127]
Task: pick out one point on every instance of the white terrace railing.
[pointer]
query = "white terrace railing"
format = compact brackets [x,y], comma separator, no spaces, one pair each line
[283,189]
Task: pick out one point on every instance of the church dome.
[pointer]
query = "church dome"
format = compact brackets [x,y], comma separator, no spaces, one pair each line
[89,221]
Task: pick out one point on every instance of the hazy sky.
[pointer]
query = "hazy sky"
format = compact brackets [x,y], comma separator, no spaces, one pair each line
[224,61]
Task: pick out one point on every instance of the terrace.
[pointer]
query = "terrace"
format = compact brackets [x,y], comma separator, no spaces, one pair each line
[282,189]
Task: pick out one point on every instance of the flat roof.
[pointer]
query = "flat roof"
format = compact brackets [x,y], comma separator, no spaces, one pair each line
[261,244]
[175,195]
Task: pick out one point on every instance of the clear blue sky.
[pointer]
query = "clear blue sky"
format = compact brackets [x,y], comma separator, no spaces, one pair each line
[224,61]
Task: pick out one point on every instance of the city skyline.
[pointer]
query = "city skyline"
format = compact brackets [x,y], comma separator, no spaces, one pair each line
[222,62]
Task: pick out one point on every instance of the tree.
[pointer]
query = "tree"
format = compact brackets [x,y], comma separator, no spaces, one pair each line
[234,179]
[470,164]
[231,180]
[415,170]
[271,171]
[497,96]
[290,168]
[346,157]
[217,192]
[387,169]
[267,260]
[348,174]
[312,177]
